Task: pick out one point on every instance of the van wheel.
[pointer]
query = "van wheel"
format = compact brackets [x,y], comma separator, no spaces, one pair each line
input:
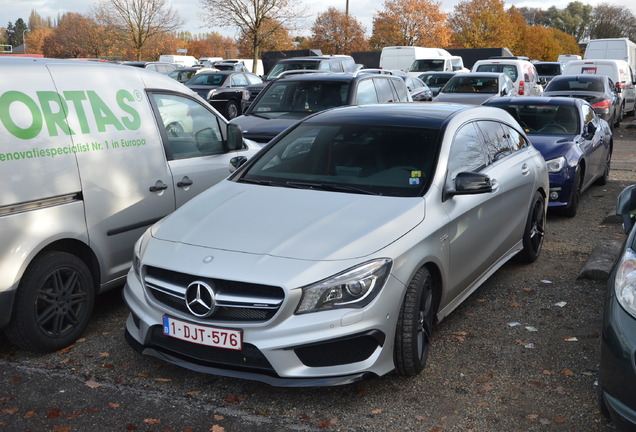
[53,303]
[415,325]
[534,231]
[231,110]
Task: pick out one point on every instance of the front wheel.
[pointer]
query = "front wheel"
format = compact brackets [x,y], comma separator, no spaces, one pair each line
[415,325]
[53,303]
[534,231]
[231,110]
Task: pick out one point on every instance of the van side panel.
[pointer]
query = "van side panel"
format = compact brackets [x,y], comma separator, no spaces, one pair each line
[124,159]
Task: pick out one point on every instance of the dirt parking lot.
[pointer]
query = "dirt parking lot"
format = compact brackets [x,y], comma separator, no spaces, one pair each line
[520,355]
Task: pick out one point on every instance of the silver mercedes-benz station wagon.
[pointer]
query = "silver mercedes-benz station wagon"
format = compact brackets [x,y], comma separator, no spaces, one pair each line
[329,256]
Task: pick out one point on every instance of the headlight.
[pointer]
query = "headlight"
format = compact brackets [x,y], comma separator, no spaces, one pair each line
[140,248]
[353,288]
[625,282]
[555,165]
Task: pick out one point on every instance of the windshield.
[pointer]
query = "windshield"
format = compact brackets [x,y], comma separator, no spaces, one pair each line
[510,70]
[207,79]
[472,84]
[545,119]
[282,67]
[548,68]
[423,65]
[301,96]
[353,158]
[593,84]
[435,80]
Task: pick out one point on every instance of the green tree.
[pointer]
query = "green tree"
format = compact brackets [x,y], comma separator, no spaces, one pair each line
[574,19]
[139,20]
[15,33]
[612,22]
[256,20]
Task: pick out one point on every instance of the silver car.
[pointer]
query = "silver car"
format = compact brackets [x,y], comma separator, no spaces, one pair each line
[476,88]
[329,256]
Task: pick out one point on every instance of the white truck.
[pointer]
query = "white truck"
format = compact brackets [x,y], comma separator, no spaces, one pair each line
[91,154]
[417,60]
[181,60]
[612,48]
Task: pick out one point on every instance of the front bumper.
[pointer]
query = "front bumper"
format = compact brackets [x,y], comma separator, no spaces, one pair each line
[617,375]
[316,349]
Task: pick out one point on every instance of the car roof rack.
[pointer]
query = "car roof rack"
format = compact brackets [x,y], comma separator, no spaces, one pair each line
[510,58]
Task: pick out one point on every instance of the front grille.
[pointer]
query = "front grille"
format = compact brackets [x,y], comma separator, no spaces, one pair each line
[342,351]
[235,301]
[249,358]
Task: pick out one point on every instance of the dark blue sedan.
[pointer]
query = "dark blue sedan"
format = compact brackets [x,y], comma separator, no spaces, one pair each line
[617,372]
[575,142]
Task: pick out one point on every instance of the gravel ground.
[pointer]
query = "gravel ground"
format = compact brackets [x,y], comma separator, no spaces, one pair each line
[520,355]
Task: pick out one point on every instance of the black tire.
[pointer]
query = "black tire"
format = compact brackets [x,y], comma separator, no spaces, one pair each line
[231,110]
[534,231]
[53,304]
[602,181]
[415,325]
[572,209]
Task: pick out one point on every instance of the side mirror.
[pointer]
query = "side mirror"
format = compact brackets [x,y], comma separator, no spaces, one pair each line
[470,183]
[626,207]
[237,162]
[589,131]
[234,137]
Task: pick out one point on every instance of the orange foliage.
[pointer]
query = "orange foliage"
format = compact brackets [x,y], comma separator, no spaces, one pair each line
[482,24]
[335,32]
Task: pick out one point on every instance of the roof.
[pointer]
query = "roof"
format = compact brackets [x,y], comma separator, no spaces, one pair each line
[535,100]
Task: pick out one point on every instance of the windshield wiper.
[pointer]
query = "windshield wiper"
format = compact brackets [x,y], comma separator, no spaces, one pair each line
[330,187]
[259,182]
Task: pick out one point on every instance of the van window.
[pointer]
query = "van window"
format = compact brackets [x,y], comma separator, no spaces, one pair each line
[190,130]
[510,70]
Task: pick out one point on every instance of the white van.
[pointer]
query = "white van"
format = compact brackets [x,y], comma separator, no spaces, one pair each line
[612,48]
[564,58]
[617,70]
[522,72]
[436,64]
[402,57]
[91,154]
[181,60]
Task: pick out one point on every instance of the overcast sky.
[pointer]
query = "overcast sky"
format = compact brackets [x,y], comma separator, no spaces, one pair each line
[363,10]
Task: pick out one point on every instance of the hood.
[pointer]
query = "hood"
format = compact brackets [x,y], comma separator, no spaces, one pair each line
[267,124]
[290,223]
[552,146]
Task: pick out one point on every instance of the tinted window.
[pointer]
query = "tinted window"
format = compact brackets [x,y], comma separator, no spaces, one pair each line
[301,96]
[467,151]
[207,79]
[401,91]
[515,139]
[496,139]
[191,130]
[576,84]
[548,68]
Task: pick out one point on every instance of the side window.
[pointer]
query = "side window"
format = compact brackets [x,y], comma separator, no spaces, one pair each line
[189,128]
[467,151]
[588,114]
[239,80]
[496,140]
[252,79]
[324,66]
[365,93]
[515,139]
[385,92]
[336,67]
[401,91]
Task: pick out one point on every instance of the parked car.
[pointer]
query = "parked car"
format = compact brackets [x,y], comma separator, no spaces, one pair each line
[231,66]
[548,70]
[161,67]
[224,90]
[476,88]
[369,219]
[521,71]
[617,370]
[417,89]
[293,97]
[598,90]
[436,80]
[575,142]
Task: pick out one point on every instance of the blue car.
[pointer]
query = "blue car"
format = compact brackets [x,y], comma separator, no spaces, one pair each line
[575,142]
[617,371]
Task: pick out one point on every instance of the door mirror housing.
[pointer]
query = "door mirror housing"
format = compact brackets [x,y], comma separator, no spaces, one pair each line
[234,137]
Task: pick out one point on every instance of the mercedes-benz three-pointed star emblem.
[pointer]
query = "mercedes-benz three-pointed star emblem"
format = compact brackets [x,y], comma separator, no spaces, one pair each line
[199,298]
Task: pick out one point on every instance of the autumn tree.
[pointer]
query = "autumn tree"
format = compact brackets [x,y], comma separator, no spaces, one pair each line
[35,39]
[139,20]
[278,40]
[212,45]
[335,32]
[612,22]
[410,23]
[546,43]
[481,24]
[574,19]
[37,22]
[256,20]
[75,36]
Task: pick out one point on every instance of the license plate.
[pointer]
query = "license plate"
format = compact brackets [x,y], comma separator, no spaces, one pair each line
[202,335]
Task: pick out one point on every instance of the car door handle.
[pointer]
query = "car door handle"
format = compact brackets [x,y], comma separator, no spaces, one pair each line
[525,169]
[159,186]
[185,182]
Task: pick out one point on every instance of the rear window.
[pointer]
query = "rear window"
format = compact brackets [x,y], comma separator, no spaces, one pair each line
[548,69]
[508,69]
[575,84]
[299,65]
[301,96]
